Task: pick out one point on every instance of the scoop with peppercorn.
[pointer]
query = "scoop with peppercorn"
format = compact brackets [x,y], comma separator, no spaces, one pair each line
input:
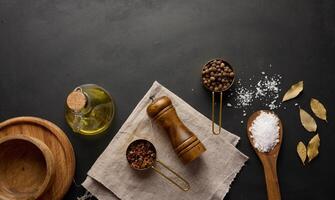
[217,75]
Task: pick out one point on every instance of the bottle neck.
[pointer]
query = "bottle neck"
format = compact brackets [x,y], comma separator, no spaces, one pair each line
[79,103]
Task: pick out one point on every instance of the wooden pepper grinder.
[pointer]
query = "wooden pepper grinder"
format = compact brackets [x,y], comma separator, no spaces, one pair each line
[185,143]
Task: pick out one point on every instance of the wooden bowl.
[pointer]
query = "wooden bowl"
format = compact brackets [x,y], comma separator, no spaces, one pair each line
[26,168]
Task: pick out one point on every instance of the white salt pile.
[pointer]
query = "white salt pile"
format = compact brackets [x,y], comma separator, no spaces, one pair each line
[265,131]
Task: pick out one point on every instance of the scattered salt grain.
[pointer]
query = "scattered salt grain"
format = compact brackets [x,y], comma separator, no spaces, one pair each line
[265,131]
[296,104]
[272,105]
[86,196]
[229,105]
[244,97]
[266,91]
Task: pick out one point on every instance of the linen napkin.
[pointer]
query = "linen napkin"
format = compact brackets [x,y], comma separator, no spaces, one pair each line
[209,176]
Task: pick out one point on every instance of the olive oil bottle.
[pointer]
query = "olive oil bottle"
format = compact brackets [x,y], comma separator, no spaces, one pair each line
[89,109]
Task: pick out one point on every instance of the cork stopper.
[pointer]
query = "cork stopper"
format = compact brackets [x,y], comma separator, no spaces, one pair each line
[76,100]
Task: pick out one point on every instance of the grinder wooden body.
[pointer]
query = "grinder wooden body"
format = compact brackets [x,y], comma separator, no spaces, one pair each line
[185,143]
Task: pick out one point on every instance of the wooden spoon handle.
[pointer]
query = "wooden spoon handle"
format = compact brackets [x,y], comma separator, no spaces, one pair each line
[272,185]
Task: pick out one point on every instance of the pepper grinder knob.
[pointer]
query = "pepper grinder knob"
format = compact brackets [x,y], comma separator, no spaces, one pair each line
[185,143]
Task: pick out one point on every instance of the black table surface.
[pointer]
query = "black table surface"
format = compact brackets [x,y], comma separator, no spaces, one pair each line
[49,47]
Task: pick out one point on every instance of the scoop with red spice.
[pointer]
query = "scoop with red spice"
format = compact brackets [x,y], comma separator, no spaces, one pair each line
[141,155]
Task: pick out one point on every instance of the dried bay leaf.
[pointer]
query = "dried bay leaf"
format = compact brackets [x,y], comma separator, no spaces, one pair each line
[294,91]
[313,147]
[307,121]
[302,152]
[318,109]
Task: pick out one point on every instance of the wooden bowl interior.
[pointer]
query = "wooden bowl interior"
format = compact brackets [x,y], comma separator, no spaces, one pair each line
[23,168]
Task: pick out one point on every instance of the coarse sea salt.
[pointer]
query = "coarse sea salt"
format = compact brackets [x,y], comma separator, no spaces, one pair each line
[265,91]
[265,131]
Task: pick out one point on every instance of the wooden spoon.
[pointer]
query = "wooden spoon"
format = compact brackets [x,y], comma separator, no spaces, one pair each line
[268,159]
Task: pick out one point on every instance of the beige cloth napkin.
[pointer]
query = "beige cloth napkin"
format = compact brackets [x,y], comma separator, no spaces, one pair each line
[209,176]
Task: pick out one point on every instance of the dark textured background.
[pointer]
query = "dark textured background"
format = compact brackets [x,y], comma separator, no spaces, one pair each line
[49,47]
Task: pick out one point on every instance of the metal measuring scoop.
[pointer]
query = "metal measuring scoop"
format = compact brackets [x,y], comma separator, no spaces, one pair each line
[218,90]
[151,164]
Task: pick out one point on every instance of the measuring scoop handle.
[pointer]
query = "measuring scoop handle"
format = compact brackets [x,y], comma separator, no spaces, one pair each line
[213,114]
[185,187]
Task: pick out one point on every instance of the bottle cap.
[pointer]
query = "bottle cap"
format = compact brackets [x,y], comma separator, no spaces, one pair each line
[76,100]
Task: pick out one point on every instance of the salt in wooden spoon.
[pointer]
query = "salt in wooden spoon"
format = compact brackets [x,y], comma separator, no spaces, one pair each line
[268,159]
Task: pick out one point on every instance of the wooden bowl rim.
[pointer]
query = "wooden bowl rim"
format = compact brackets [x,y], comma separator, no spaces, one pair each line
[69,155]
[48,159]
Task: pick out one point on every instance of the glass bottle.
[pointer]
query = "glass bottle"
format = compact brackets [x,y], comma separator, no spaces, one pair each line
[89,109]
